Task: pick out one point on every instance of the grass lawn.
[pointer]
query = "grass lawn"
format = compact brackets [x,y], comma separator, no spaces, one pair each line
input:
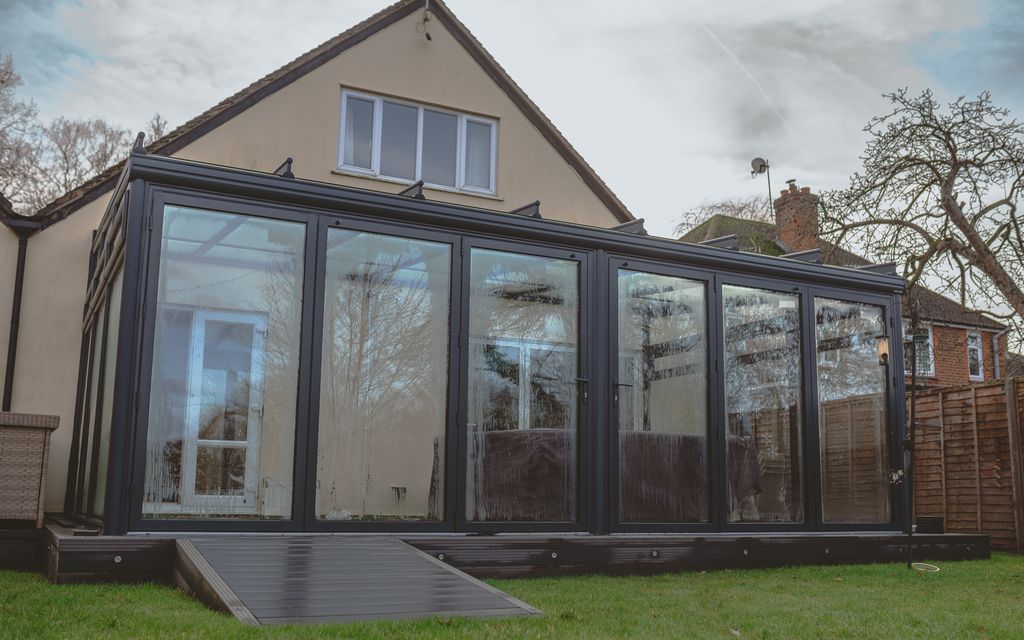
[977,599]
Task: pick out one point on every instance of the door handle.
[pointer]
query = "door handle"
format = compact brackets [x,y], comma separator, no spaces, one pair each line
[583,385]
[615,391]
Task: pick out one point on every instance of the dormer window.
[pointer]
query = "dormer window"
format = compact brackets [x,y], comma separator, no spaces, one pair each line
[405,142]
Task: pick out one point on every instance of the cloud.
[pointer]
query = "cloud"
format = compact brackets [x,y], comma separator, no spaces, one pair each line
[662,97]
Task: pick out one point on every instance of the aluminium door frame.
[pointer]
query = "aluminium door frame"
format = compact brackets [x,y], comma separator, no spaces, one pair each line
[713,452]
[159,196]
[315,309]
[586,414]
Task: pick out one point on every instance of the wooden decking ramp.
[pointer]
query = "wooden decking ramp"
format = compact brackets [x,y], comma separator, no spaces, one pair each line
[318,579]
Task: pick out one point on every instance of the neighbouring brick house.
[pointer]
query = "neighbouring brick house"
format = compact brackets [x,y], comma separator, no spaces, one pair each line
[963,346]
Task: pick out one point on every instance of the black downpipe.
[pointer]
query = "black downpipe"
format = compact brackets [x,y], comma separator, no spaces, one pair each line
[24,229]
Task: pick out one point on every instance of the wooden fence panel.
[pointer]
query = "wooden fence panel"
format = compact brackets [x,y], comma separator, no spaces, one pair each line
[968,465]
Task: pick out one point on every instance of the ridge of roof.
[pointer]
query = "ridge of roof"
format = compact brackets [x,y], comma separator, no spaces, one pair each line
[226,109]
[933,305]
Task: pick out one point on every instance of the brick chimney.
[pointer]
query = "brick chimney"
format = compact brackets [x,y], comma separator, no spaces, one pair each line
[796,218]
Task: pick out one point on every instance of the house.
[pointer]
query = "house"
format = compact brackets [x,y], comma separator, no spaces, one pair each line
[962,346]
[487,145]
[382,337]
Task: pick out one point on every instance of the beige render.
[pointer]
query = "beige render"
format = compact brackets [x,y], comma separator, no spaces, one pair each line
[300,120]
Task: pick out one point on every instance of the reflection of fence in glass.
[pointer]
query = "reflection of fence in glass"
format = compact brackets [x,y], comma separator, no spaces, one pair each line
[762,398]
[852,413]
[522,406]
[661,392]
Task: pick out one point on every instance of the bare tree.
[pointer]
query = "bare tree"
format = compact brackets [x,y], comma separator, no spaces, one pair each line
[755,207]
[939,193]
[42,161]
[157,127]
[17,128]
[67,153]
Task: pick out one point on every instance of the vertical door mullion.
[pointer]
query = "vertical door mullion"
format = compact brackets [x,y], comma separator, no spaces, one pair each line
[809,368]
[307,458]
[720,477]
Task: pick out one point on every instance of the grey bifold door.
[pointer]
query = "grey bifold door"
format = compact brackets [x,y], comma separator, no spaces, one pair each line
[526,392]
[660,397]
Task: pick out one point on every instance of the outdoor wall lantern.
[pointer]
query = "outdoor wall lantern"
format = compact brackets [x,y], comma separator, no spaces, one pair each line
[882,344]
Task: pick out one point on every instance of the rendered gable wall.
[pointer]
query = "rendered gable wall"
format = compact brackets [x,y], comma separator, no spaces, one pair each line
[302,120]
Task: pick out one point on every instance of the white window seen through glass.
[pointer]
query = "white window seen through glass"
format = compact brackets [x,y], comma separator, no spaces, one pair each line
[408,142]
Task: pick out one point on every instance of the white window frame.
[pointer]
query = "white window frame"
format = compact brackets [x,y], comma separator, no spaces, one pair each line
[460,144]
[930,373]
[188,499]
[974,335]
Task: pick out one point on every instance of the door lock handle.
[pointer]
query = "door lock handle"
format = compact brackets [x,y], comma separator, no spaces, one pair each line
[615,391]
[583,384]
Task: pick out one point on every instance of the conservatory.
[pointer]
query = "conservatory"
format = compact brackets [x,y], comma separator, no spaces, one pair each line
[264,353]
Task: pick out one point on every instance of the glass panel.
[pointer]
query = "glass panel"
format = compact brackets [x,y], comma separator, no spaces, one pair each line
[852,412]
[113,324]
[226,383]
[661,387]
[762,402]
[384,385]
[358,135]
[220,471]
[440,139]
[398,141]
[89,416]
[478,155]
[522,420]
[974,368]
[222,406]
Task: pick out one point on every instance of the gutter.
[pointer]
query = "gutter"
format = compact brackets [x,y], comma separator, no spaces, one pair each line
[23,229]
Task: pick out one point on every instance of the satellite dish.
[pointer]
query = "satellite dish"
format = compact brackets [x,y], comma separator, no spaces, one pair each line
[758,165]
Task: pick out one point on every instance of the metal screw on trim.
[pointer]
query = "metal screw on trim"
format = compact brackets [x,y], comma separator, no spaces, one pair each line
[746,552]
[117,559]
[654,554]
[827,551]
[440,556]
[554,555]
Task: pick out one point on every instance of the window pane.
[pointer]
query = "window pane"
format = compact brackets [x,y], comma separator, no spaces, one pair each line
[852,412]
[478,155]
[923,346]
[113,324]
[762,401]
[384,386]
[974,355]
[222,406]
[522,419]
[439,146]
[398,141]
[662,392]
[358,134]
[89,415]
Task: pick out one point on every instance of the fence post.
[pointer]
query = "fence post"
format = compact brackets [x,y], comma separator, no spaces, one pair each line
[977,451]
[1013,427]
[942,460]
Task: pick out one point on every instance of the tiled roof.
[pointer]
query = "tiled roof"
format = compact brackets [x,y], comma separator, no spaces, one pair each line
[232,106]
[759,237]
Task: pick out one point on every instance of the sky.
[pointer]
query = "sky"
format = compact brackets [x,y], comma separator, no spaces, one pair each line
[669,100]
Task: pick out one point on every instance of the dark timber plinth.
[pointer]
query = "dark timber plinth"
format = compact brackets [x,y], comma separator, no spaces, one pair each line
[314,579]
[516,556]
